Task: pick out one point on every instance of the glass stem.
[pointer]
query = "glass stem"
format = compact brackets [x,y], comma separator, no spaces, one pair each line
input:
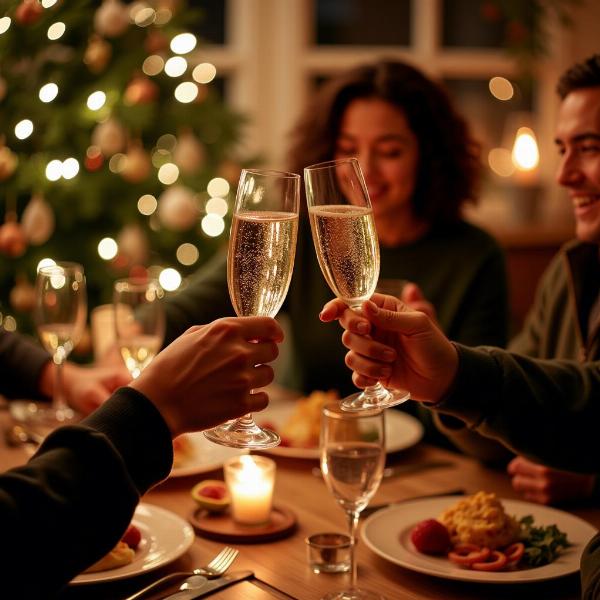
[352,526]
[59,404]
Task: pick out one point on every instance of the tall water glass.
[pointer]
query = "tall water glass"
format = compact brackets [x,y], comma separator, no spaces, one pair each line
[345,239]
[139,321]
[60,315]
[262,245]
[352,459]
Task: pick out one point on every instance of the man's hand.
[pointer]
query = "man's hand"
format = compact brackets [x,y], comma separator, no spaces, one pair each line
[400,347]
[205,376]
[545,485]
[413,297]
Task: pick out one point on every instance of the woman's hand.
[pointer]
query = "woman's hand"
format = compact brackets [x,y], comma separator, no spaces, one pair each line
[545,485]
[205,376]
[400,347]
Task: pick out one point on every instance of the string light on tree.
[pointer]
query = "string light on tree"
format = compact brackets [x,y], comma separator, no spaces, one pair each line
[147,204]
[107,248]
[54,170]
[218,186]
[143,16]
[204,72]
[48,3]
[217,206]
[176,66]
[23,129]
[48,92]
[45,262]
[4,24]
[186,92]
[96,100]
[169,279]
[183,43]
[187,254]
[213,225]
[70,168]
[168,173]
[56,30]
[153,65]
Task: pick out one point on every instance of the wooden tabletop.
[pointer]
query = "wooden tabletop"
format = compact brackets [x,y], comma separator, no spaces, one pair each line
[282,565]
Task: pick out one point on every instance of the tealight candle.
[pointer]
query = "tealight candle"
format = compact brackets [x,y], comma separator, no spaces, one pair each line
[250,480]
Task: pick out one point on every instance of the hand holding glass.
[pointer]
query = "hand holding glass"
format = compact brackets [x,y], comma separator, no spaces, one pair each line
[345,239]
[352,460]
[262,245]
[60,315]
[139,321]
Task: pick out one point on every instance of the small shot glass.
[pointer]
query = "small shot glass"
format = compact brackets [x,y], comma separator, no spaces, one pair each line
[329,552]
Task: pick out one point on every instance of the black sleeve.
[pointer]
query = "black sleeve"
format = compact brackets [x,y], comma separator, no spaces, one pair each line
[70,504]
[21,362]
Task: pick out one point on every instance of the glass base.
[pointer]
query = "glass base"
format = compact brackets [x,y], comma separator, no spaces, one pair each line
[236,436]
[41,419]
[354,594]
[385,399]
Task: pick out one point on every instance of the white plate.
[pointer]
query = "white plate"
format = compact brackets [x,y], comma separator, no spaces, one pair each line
[165,537]
[205,456]
[401,430]
[387,533]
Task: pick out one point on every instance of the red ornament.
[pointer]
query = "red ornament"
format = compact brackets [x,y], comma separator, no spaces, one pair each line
[155,42]
[93,159]
[516,32]
[141,91]
[28,12]
[12,239]
[490,12]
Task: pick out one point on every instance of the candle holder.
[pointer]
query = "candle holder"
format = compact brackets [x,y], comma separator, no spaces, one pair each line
[250,481]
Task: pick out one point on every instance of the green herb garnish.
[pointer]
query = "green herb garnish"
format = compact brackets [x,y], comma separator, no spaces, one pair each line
[542,544]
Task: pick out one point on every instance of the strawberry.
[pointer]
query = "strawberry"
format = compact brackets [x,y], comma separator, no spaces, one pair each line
[132,536]
[430,537]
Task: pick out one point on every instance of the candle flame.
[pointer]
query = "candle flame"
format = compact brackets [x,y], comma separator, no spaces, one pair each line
[525,154]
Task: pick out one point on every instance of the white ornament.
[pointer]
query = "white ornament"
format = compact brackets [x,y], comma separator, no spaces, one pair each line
[177,209]
[37,220]
[109,136]
[111,19]
[189,153]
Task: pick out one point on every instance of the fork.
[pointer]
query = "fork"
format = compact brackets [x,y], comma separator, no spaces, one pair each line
[215,568]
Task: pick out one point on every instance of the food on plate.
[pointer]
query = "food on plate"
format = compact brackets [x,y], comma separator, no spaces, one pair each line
[480,519]
[302,428]
[431,537]
[122,554]
[481,536]
[211,494]
[183,451]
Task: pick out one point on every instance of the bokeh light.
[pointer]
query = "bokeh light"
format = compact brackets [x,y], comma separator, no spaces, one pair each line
[153,65]
[500,161]
[501,88]
[56,30]
[96,100]
[176,66]
[70,168]
[217,206]
[147,204]
[183,43]
[186,92]
[23,129]
[45,262]
[54,170]
[212,225]
[204,72]
[218,187]
[48,92]
[169,279]
[4,24]
[107,248]
[187,254]
[168,173]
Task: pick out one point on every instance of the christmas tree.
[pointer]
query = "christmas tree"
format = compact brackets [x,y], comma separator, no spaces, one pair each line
[116,150]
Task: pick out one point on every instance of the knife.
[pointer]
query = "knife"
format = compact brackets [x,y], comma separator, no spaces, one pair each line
[369,510]
[210,586]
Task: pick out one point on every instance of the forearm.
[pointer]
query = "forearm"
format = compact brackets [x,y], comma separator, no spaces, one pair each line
[546,410]
[71,503]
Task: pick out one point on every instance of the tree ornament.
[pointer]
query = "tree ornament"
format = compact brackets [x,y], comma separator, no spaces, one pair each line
[155,41]
[141,90]
[133,244]
[189,153]
[93,159]
[230,170]
[172,5]
[8,162]
[111,19]
[28,12]
[97,54]
[137,166]
[12,239]
[22,296]
[109,136]
[177,208]
[37,220]
[2,88]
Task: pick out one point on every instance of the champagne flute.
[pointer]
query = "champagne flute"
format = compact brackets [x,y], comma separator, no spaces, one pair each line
[139,321]
[345,239]
[60,315]
[352,459]
[262,245]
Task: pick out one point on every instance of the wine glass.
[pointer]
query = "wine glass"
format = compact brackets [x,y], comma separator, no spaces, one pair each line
[352,459]
[262,246]
[60,315]
[139,321]
[345,239]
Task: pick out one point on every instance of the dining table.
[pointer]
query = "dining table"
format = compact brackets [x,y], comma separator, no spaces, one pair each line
[280,566]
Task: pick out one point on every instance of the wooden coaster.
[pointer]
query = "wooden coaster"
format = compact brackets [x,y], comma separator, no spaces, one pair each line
[222,527]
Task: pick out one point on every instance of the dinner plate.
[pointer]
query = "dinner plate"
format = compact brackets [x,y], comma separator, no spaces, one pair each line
[387,533]
[165,537]
[204,456]
[401,430]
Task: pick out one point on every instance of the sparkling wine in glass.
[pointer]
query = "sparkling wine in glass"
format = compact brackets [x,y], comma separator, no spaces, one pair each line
[60,315]
[262,245]
[345,239]
[139,321]
[352,450]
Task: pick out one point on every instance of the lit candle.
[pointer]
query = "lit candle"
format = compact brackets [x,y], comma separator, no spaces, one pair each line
[250,480]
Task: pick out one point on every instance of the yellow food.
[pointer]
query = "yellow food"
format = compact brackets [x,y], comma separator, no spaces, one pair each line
[303,426]
[480,519]
[119,556]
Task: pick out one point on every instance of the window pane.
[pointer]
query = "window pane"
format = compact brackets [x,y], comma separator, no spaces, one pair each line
[484,24]
[210,27]
[363,22]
